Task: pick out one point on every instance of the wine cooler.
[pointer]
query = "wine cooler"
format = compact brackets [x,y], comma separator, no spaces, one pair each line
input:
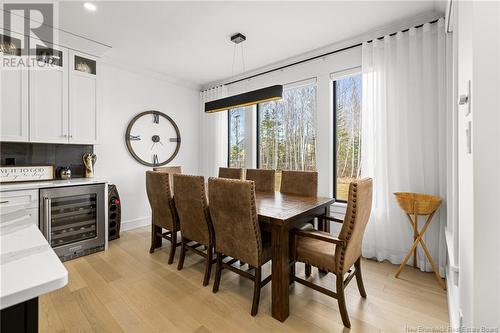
[73,219]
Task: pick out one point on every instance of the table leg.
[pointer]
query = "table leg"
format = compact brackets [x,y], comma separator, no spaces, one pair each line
[325,226]
[280,271]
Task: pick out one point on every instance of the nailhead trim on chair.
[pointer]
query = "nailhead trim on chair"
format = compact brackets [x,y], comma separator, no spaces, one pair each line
[350,229]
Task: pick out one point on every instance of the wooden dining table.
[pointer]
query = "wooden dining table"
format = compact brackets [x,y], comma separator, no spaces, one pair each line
[280,213]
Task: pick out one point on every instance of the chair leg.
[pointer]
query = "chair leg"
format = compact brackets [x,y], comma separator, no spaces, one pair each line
[359,278]
[183,253]
[308,270]
[208,267]
[155,240]
[218,270]
[173,245]
[256,291]
[341,301]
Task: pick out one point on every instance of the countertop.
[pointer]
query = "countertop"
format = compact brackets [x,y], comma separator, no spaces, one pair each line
[28,265]
[50,183]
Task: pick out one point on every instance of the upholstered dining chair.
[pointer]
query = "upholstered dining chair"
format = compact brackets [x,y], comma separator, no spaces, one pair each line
[237,232]
[264,179]
[339,255]
[171,170]
[303,183]
[231,173]
[164,215]
[194,218]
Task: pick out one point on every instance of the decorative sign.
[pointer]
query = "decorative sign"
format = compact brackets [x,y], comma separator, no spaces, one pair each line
[25,173]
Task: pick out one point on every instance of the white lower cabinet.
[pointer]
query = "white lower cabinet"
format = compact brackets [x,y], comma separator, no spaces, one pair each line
[22,199]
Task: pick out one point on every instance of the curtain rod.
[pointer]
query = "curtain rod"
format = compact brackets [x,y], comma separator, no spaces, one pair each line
[322,55]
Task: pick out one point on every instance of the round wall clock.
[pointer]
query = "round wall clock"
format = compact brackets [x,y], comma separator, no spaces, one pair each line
[153,138]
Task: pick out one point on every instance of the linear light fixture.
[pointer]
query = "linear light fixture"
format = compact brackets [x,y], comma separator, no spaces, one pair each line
[267,94]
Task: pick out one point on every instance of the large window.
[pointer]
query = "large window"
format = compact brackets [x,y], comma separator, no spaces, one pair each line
[286,131]
[236,139]
[347,138]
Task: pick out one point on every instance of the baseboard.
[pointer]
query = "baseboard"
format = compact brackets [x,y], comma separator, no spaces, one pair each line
[135,223]
[453,305]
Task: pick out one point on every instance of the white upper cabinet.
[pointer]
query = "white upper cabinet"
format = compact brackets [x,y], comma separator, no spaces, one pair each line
[49,94]
[83,99]
[52,97]
[13,90]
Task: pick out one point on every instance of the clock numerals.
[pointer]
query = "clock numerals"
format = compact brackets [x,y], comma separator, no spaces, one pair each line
[156,118]
[155,159]
[174,139]
[134,137]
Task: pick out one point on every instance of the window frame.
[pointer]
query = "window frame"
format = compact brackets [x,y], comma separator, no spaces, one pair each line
[228,138]
[334,96]
[334,78]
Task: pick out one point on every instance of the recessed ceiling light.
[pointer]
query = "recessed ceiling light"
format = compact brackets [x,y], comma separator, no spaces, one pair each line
[90,6]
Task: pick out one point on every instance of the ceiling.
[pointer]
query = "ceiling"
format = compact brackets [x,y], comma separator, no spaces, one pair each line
[189,41]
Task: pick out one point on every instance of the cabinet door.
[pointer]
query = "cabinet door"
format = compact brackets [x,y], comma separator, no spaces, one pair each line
[13,89]
[48,93]
[83,101]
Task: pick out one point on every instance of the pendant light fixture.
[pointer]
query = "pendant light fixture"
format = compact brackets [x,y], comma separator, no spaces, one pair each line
[267,94]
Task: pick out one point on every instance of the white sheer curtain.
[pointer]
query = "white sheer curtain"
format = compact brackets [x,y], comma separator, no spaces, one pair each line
[213,134]
[403,143]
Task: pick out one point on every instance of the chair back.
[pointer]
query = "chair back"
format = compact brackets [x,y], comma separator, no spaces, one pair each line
[171,170]
[192,208]
[264,179]
[159,193]
[231,173]
[303,183]
[359,206]
[234,217]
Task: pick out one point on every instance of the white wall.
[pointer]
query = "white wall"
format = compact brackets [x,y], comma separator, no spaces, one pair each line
[125,94]
[476,27]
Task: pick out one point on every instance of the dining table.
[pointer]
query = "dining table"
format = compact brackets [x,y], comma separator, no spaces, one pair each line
[279,214]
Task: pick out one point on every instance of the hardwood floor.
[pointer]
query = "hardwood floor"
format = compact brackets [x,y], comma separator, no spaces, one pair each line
[126,289]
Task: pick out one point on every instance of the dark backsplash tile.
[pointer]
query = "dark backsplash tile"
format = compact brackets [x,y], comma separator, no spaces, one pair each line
[58,155]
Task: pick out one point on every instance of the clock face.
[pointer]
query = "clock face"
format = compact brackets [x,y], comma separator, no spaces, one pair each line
[153,138]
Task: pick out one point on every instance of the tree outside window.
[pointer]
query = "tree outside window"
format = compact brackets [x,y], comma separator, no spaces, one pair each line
[287,131]
[347,116]
[236,124]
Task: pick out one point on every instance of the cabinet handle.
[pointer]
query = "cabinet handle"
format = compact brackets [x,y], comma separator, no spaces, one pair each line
[4,201]
[70,136]
[65,135]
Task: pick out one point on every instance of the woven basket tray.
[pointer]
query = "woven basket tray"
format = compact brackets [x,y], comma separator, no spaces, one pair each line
[416,203]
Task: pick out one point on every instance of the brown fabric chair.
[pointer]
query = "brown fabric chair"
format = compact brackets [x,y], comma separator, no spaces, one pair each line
[194,217]
[237,232]
[164,215]
[303,183]
[171,170]
[264,179]
[338,254]
[231,173]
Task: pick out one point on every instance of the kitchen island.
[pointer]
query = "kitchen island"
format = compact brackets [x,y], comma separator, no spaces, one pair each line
[28,268]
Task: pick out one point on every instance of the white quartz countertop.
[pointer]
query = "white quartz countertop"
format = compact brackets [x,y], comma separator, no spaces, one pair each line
[49,183]
[28,265]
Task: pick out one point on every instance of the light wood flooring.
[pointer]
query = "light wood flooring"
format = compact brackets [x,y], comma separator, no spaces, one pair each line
[126,289]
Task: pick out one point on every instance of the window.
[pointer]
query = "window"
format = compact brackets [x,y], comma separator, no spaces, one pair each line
[236,138]
[347,133]
[286,132]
